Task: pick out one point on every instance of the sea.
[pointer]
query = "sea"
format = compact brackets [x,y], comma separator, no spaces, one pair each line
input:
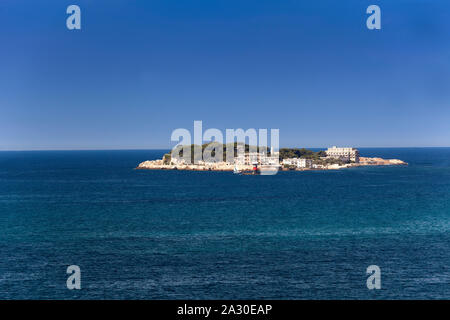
[148,234]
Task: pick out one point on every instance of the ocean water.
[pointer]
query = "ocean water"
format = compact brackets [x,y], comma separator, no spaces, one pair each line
[140,234]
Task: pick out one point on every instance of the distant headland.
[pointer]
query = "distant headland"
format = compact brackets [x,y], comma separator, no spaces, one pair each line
[246,160]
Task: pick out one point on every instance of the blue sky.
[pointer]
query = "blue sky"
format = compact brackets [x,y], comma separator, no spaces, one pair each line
[139,69]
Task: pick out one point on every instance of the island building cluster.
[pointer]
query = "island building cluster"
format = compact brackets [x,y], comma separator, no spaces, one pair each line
[284,159]
[257,158]
[342,156]
[252,158]
[244,161]
[298,162]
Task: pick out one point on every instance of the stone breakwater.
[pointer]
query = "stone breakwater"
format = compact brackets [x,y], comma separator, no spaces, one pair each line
[223,166]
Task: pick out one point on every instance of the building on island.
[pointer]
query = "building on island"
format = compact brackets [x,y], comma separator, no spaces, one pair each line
[344,154]
[251,158]
[298,162]
[244,159]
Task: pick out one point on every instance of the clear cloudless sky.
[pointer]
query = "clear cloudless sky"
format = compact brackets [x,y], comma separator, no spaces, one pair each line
[138,69]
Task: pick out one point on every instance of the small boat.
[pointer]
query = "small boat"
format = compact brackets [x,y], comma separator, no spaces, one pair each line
[236,170]
[268,170]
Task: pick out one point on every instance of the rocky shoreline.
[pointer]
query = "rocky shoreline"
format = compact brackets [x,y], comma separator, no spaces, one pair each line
[223,166]
[159,165]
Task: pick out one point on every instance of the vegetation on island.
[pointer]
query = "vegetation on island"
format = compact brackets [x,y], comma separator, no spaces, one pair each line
[286,153]
[213,146]
[318,157]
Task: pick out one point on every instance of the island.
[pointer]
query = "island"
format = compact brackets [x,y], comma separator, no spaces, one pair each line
[246,160]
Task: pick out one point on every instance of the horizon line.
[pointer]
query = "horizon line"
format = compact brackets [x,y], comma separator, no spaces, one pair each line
[148,149]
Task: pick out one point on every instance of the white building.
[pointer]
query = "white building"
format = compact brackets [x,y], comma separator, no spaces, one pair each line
[345,154]
[251,158]
[247,158]
[298,162]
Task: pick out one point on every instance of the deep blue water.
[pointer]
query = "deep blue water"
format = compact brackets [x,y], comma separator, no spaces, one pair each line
[208,235]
